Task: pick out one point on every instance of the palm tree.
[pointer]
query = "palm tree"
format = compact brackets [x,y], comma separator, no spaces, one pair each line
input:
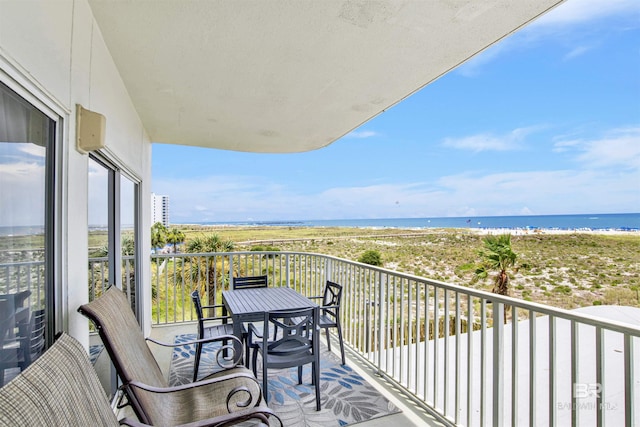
[205,270]
[497,255]
[175,236]
[158,235]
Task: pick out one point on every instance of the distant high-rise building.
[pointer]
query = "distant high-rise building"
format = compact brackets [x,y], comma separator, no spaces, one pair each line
[160,209]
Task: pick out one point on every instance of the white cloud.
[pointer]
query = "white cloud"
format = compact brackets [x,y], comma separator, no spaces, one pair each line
[361,134]
[22,193]
[554,26]
[226,198]
[473,66]
[576,52]
[582,11]
[33,150]
[617,148]
[488,142]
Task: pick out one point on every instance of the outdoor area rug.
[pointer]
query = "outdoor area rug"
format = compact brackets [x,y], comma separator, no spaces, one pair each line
[94,352]
[346,397]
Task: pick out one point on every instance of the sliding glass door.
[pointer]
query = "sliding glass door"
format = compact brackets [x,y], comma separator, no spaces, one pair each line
[27,198]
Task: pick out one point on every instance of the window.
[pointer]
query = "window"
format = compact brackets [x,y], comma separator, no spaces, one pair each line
[27,197]
[113,254]
[113,207]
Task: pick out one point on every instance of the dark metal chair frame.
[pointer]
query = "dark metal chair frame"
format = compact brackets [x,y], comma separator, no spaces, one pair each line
[330,313]
[249,282]
[206,332]
[295,345]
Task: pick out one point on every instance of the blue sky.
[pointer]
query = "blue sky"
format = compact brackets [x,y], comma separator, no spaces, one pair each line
[545,122]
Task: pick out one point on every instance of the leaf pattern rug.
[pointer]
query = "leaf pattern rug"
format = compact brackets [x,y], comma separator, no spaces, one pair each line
[345,396]
[94,352]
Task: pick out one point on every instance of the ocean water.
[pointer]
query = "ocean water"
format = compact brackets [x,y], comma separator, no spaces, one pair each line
[626,221]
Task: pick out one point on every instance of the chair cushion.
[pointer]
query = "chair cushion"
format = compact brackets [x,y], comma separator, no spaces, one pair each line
[59,389]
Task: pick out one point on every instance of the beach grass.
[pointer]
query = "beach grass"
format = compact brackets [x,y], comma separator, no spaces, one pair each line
[561,269]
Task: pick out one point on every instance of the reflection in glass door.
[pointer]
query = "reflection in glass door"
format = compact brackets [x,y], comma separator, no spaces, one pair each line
[27,160]
[112,213]
[128,227]
[112,230]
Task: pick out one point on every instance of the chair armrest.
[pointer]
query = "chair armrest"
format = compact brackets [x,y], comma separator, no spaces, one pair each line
[213,306]
[202,341]
[234,393]
[316,297]
[200,383]
[229,361]
[253,329]
[131,422]
[205,319]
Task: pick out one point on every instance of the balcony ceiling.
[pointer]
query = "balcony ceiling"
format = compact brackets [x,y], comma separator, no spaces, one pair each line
[289,76]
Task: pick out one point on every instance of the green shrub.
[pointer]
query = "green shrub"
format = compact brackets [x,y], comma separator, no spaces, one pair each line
[371,257]
[564,289]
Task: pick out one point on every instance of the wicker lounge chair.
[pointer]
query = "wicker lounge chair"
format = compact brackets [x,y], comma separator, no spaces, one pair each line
[230,396]
[59,389]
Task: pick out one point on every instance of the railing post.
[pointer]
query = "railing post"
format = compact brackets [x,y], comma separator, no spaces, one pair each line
[629,382]
[381,320]
[498,363]
[287,269]
[230,270]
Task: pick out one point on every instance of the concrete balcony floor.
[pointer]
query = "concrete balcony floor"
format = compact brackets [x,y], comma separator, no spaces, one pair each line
[411,414]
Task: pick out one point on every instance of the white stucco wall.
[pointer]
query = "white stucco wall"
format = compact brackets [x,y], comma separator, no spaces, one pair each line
[57,51]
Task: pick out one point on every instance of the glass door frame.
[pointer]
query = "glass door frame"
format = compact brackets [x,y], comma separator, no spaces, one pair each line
[14,79]
[115,174]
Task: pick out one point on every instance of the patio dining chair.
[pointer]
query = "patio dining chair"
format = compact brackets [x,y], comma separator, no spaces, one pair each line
[330,313]
[296,345]
[208,331]
[231,395]
[248,282]
[9,345]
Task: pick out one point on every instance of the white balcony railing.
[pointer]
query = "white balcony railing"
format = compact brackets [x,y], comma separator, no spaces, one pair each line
[451,348]
[537,365]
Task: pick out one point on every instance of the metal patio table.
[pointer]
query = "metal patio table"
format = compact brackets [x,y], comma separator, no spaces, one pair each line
[249,305]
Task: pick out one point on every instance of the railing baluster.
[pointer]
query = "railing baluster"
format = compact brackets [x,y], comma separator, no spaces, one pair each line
[427,340]
[456,408]
[470,329]
[498,363]
[410,315]
[629,382]
[514,366]
[552,370]
[483,360]
[574,373]
[532,369]
[446,339]
[402,325]
[436,342]
[599,376]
